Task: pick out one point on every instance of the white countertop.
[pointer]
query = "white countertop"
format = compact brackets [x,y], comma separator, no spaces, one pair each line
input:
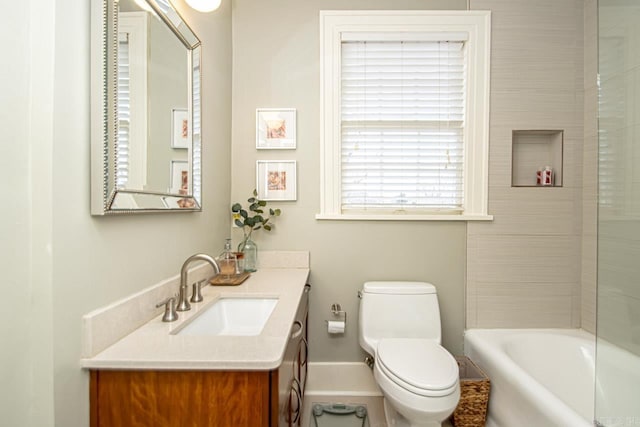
[153,347]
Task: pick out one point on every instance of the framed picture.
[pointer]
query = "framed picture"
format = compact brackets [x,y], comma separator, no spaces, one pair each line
[180,129]
[276,128]
[276,180]
[179,177]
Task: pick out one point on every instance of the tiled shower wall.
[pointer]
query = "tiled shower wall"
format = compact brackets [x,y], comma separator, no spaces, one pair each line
[524,268]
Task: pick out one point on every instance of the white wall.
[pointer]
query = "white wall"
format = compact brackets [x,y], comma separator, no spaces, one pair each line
[58,261]
[26,109]
[276,64]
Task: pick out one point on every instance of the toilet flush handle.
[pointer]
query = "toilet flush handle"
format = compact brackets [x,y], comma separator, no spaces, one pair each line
[369,361]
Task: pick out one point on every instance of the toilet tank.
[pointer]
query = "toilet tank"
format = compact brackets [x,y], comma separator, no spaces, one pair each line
[398,310]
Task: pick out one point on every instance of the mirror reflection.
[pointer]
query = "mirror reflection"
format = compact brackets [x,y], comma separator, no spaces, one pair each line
[151,160]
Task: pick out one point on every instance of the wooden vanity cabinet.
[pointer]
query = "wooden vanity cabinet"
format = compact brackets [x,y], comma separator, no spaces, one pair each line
[206,398]
[180,399]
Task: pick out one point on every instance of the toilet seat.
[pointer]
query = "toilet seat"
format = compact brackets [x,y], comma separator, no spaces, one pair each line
[420,366]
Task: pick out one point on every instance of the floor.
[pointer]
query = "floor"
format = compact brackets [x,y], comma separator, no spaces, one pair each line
[342,415]
[350,384]
[328,420]
[345,383]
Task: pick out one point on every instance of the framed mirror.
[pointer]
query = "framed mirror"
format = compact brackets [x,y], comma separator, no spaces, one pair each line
[145,119]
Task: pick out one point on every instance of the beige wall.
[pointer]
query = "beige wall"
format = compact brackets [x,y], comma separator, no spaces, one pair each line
[276,64]
[58,261]
[524,267]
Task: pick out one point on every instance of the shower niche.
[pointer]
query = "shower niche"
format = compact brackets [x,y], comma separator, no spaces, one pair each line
[532,150]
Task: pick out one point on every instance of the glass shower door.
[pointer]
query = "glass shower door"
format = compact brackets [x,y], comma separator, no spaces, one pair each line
[617,391]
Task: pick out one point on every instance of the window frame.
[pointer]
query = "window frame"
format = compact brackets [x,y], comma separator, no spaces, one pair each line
[477,25]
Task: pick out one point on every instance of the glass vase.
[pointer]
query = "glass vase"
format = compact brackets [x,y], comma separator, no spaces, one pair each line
[250,250]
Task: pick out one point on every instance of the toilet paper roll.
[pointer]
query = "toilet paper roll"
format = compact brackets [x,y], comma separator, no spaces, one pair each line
[335,327]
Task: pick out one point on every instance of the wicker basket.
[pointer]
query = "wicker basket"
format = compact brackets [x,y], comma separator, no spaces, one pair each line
[474,395]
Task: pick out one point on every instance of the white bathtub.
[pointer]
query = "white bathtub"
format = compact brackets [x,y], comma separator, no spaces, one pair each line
[539,377]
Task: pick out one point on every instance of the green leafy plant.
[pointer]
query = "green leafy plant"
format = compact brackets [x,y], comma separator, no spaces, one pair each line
[253,218]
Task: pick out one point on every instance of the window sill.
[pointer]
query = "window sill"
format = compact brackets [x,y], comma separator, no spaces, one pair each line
[407,217]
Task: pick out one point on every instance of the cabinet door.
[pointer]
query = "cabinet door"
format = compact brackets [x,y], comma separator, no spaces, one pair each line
[303,346]
[302,359]
[295,403]
[179,399]
[290,393]
[289,401]
[299,340]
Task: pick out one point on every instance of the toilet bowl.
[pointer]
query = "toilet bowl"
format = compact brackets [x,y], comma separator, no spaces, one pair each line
[419,380]
[400,326]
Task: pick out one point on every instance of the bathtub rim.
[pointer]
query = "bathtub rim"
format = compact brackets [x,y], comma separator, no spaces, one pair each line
[482,340]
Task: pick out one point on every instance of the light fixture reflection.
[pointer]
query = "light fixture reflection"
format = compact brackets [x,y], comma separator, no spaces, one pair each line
[204,5]
[143,5]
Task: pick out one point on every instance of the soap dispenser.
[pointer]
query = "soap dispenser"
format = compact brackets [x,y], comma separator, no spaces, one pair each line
[227,261]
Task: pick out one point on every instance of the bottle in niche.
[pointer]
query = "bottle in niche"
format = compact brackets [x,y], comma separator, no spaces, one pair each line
[227,261]
[547,176]
[544,176]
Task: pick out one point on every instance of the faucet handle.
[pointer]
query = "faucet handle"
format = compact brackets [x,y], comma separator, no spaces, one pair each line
[196,295]
[170,313]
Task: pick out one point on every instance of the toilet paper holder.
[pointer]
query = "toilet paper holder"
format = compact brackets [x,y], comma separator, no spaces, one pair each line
[338,313]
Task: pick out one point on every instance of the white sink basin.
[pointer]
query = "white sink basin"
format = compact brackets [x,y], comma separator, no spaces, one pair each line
[232,316]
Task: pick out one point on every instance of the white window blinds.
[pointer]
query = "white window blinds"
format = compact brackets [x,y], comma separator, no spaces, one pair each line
[195,128]
[124,111]
[402,120]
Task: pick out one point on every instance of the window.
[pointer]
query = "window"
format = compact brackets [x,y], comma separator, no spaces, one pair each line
[404,115]
[132,115]
[124,111]
[196,163]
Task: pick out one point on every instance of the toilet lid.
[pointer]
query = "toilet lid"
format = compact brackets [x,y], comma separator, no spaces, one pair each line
[419,365]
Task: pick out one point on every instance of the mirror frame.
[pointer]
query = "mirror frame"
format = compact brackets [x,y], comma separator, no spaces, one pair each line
[104,126]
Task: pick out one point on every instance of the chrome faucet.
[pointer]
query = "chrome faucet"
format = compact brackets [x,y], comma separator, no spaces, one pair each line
[183,302]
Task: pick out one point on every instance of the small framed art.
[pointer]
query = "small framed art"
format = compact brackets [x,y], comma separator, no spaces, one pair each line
[179,177]
[180,129]
[276,180]
[276,128]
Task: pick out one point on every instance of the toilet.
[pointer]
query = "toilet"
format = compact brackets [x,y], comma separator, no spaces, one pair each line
[400,326]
